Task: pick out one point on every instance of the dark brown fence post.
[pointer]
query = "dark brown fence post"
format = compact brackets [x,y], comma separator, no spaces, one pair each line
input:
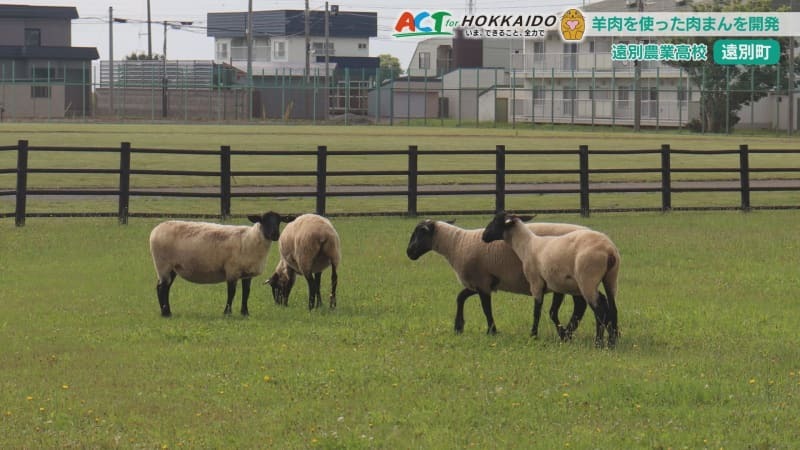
[322,172]
[583,158]
[22,182]
[412,179]
[744,176]
[500,179]
[666,179]
[225,182]
[124,182]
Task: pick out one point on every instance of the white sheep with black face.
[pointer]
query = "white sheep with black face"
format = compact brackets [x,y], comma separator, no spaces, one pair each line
[203,252]
[482,269]
[307,246]
[574,263]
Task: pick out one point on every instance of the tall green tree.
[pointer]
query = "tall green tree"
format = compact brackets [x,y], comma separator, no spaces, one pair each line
[724,89]
[389,66]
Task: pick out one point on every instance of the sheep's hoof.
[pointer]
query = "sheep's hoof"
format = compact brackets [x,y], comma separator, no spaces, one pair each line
[227,311]
[492,330]
[563,333]
[245,312]
[166,313]
[459,327]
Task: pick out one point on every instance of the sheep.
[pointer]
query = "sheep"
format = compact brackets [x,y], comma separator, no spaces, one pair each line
[482,271]
[574,263]
[212,253]
[307,246]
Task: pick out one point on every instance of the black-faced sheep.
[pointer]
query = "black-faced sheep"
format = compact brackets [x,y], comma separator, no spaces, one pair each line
[575,263]
[203,252]
[482,270]
[307,246]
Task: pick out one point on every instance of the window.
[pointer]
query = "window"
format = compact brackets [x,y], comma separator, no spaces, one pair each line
[538,51]
[682,93]
[33,37]
[569,95]
[40,91]
[319,48]
[279,50]
[222,50]
[538,95]
[570,57]
[623,97]
[43,73]
[362,45]
[425,60]
[623,93]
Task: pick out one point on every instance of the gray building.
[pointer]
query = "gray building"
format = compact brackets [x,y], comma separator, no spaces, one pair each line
[41,74]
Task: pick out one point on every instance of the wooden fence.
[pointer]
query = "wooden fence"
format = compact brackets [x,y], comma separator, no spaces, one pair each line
[411,190]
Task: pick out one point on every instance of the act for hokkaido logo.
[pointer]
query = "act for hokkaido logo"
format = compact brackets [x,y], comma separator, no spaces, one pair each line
[441,23]
[424,24]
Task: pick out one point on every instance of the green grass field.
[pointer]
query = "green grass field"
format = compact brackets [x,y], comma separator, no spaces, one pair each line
[709,355]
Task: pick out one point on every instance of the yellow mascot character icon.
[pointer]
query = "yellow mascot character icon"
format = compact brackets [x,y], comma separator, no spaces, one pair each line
[573,25]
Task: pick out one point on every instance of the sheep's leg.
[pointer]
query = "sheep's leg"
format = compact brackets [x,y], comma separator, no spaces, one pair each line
[613,331]
[245,295]
[554,307]
[317,288]
[579,309]
[231,293]
[486,304]
[162,290]
[600,308]
[311,292]
[537,313]
[460,300]
[334,282]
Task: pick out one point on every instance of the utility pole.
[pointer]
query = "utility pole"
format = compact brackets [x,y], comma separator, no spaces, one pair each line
[308,44]
[164,78]
[149,34]
[327,47]
[111,59]
[637,90]
[249,37]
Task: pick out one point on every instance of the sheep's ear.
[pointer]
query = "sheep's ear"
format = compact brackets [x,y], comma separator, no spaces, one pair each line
[450,222]
[526,218]
[509,220]
[288,218]
[254,218]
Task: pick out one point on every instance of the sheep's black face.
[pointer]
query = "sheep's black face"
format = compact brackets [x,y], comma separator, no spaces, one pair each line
[281,288]
[494,231]
[421,240]
[270,224]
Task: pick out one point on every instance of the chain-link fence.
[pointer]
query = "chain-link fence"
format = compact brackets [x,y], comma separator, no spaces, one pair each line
[204,91]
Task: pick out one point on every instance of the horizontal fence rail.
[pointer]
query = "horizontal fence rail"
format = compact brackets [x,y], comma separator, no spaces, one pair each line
[320,190]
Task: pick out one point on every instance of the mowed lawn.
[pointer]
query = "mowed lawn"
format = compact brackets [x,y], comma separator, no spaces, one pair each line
[709,355]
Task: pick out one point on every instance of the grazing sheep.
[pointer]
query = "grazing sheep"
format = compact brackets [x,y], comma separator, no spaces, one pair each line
[482,270]
[307,245]
[212,253]
[574,263]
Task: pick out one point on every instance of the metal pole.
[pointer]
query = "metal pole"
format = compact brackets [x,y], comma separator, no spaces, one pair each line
[327,61]
[249,37]
[637,91]
[111,59]
[164,77]
[149,34]
[307,27]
